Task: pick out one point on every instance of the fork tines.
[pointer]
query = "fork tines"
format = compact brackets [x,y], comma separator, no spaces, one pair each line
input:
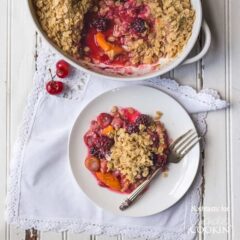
[185,142]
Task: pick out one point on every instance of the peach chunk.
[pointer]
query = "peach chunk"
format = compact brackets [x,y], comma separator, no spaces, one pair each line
[109,180]
[110,49]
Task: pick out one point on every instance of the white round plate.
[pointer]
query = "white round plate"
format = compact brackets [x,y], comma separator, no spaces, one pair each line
[164,191]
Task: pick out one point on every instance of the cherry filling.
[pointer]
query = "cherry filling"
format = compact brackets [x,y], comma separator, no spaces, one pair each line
[106,32]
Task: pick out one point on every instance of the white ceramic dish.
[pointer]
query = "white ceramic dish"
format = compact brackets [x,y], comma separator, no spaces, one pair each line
[164,191]
[196,4]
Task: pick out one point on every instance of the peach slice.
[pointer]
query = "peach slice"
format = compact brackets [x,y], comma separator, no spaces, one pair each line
[110,49]
[102,43]
[109,180]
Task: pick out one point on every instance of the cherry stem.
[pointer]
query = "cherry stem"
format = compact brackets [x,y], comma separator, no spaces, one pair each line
[52,77]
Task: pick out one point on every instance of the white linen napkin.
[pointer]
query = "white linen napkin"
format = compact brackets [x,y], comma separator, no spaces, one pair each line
[43,193]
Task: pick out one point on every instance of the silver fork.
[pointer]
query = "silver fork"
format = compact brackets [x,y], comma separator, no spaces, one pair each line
[178,150]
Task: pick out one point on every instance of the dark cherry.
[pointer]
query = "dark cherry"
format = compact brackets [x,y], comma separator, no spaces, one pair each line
[117,122]
[104,119]
[90,138]
[93,164]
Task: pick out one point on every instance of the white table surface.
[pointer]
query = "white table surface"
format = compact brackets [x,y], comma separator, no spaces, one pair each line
[220,69]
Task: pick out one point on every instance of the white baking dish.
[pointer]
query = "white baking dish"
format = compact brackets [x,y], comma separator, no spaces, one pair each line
[147,72]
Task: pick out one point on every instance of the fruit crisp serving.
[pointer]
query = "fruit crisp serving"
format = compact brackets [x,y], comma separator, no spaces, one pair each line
[117,32]
[125,147]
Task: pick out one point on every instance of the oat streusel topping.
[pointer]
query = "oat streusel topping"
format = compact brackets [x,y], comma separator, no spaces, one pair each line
[164,27]
[62,20]
[173,26]
[131,153]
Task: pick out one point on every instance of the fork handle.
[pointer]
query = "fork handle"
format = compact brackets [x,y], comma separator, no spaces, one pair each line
[128,202]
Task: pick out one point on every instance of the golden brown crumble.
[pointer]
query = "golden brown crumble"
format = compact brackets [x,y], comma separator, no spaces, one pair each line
[62,20]
[131,153]
[173,26]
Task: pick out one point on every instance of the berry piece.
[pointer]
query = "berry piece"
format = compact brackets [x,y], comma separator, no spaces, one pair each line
[132,128]
[54,87]
[162,160]
[94,152]
[159,160]
[117,173]
[130,114]
[63,69]
[154,158]
[94,126]
[93,164]
[103,167]
[155,139]
[126,185]
[101,24]
[104,119]
[99,145]
[101,184]
[117,122]
[139,25]
[144,119]
[90,138]
[97,152]
[104,143]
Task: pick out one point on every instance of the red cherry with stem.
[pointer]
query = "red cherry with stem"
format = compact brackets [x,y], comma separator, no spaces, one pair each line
[54,87]
[63,69]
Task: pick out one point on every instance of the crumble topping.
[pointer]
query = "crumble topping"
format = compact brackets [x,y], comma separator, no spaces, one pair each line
[144,31]
[173,20]
[132,153]
[62,20]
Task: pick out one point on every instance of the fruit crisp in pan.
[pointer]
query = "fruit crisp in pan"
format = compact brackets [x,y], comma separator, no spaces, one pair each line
[118,32]
[125,146]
